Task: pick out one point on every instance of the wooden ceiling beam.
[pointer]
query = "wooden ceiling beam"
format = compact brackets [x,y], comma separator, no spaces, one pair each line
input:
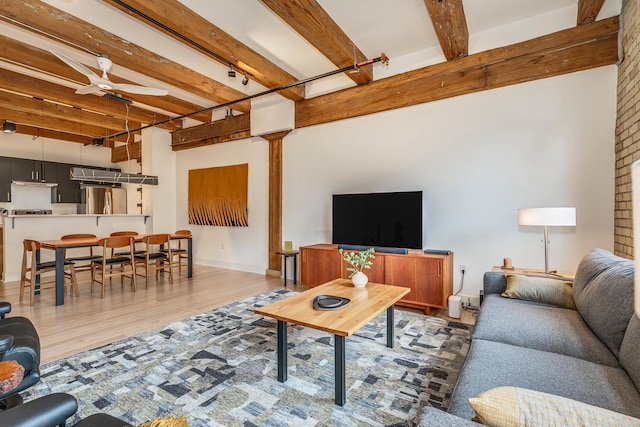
[52,134]
[575,49]
[64,26]
[37,88]
[588,11]
[122,153]
[313,23]
[52,123]
[180,22]
[224,130]
[451,28]
[51,109]
[44,61]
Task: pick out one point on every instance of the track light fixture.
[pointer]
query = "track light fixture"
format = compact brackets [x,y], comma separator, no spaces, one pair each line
[245,80]
[231,72]
[9,127]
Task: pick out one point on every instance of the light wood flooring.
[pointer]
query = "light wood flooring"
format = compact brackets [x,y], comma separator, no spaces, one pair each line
[88,321]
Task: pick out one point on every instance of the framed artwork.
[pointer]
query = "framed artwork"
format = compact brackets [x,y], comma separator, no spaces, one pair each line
[218,196]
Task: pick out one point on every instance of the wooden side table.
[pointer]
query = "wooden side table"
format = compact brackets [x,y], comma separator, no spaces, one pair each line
[285,255]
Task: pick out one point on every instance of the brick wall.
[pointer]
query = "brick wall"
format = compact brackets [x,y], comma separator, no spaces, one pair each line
[627,126]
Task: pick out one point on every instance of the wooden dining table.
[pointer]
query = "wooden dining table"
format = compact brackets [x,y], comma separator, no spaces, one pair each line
[59,246]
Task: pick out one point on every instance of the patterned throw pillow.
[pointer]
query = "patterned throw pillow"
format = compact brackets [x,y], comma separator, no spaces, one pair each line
[513,406]
[167,422]
[540,289]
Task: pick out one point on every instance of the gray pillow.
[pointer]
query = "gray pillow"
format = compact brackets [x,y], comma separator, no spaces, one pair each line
[603,294]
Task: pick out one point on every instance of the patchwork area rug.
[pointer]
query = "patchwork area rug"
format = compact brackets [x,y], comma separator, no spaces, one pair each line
[219,369]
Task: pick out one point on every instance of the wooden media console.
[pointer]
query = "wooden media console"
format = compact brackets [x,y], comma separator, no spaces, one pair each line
[429,276]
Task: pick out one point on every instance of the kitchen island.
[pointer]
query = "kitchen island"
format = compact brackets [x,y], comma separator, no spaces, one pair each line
[52,227]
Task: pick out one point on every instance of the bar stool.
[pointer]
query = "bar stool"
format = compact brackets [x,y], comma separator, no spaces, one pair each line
[33,269]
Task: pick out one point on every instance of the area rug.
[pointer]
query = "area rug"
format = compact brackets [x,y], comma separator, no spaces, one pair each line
[219,369]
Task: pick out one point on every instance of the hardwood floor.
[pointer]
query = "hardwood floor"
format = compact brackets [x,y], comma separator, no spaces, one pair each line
[87,321]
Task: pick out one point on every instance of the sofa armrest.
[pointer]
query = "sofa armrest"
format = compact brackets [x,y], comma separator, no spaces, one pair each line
[6,342]
[494,283]
[5,308]
[433,417]
[50,410]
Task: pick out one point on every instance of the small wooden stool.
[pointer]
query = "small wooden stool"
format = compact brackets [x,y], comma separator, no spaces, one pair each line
[11,374]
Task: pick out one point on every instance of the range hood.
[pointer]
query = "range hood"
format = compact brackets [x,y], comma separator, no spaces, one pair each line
[111,177]
[35,183]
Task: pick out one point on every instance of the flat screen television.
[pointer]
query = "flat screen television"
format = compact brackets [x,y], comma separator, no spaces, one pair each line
[378,219]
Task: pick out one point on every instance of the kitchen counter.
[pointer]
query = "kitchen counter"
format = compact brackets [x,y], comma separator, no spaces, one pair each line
[53,226]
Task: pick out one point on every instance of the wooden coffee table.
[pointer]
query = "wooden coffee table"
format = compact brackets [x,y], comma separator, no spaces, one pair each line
[366,303]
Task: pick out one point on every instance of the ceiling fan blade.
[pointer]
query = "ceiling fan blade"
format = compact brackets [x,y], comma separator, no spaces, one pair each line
[75,65]
[84,90]
[140,90]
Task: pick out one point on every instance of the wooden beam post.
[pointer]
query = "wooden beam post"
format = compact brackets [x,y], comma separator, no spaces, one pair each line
[275,199]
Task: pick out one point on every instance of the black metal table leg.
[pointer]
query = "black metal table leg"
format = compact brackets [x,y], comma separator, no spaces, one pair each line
[295,269]
[390,324]
[190,257]
[59,276]
[341,386]
[284,279]
[282,351]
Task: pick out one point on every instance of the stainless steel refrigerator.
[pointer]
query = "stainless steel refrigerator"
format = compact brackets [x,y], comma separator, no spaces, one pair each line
[103,200]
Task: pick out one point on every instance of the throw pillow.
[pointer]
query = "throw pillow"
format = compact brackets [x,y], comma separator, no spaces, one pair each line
[513,406]
[167,422]
[540,289]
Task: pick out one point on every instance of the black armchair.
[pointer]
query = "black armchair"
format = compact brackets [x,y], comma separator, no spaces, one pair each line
[19,341]
[53,410]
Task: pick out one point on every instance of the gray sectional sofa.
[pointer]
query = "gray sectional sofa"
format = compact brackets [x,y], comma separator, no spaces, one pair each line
[588,354]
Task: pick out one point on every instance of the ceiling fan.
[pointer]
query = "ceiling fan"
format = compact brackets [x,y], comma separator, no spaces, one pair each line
[103,83]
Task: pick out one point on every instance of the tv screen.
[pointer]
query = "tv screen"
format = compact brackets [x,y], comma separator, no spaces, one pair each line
[378,219]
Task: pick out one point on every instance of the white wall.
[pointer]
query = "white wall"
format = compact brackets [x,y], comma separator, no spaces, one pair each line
[237,248]
[477,158]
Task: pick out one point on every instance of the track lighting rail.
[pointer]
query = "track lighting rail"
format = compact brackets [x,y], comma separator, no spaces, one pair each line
[382,58]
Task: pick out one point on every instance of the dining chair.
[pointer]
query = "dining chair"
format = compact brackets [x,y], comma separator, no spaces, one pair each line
[127,233]
[31,268]
[153,258]
[81,262]
[114,264]
[178,251]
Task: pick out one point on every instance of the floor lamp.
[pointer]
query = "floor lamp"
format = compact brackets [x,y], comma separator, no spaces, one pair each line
[547,217]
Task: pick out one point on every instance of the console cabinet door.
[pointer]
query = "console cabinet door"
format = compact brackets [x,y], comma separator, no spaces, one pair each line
[319,266]
[430,281]
[401,271]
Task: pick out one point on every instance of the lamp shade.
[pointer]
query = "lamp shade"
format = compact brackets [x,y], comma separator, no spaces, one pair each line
[635,196]
[550,217]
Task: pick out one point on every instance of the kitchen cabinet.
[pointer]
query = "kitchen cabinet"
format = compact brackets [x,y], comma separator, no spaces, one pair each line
[429,276]
[67,191]
[32,170]
[5,179]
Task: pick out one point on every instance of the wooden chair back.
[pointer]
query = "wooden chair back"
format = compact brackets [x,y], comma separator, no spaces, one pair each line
[117,242]
[124,233]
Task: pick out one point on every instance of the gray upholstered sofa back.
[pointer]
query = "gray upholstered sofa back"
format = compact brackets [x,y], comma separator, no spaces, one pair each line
[603,294]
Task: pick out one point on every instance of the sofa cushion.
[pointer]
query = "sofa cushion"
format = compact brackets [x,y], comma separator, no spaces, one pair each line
[539,289]
[541,327]
[603,293]
[629,359]
[433,417]
[514,406]
[492,364]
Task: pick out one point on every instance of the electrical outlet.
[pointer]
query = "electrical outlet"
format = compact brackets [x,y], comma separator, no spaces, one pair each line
[463,268]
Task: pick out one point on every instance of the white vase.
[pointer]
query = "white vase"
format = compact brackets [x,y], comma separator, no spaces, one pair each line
[359,279]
